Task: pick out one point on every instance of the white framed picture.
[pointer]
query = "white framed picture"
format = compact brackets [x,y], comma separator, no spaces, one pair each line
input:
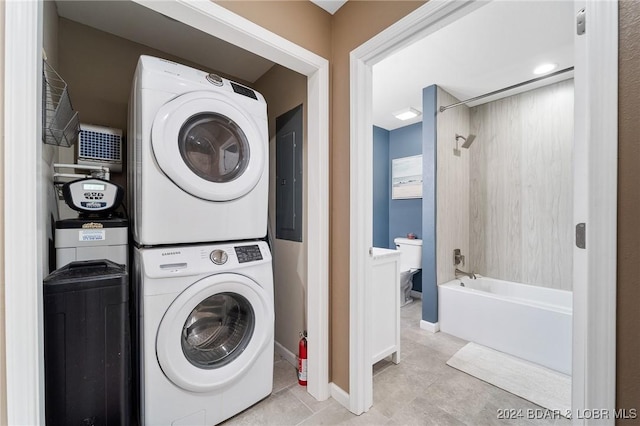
[406,177]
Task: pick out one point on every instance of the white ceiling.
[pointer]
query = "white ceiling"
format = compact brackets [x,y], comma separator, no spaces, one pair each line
[137,23]
[496,46]
[330,6]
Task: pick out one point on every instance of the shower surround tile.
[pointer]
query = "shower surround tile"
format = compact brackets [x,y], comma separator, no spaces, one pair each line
[547,176]
[521,187]
[452,180]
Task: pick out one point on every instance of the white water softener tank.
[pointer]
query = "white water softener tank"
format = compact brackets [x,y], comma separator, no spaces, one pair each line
[410,264]
[91,239]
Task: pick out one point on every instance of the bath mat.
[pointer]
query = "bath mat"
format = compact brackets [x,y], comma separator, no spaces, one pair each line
[540,385]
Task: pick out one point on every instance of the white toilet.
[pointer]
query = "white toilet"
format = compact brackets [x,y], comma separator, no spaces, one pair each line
[410,264]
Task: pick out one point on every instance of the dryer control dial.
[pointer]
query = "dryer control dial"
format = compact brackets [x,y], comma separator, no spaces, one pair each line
[215,79]
[219,257]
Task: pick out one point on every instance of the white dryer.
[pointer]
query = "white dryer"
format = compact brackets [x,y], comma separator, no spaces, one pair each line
[197,156]
[206,330]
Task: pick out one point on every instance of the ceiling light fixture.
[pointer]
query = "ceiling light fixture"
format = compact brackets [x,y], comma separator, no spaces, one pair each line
[544,68]
[407,113]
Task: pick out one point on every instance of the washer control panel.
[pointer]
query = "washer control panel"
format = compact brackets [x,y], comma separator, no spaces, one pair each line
[192,260]
[249,253]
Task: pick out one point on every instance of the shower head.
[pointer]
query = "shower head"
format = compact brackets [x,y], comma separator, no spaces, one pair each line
[467,141]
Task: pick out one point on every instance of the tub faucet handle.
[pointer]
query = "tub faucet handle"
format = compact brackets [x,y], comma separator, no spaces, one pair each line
[457,257]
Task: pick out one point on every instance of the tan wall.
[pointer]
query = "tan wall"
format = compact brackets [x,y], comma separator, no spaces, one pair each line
[284,90]
[628,314]
[353,24]
[50,32]
[301,22]
[3,367]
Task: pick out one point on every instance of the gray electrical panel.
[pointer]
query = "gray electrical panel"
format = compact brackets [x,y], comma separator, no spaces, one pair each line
[289,192]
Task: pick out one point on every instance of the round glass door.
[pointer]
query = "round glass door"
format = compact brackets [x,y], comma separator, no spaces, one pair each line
[218,330]
[213,331]
[209,147]
[214,147]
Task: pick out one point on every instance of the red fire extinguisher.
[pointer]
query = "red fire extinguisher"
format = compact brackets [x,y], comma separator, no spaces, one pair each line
[302,359]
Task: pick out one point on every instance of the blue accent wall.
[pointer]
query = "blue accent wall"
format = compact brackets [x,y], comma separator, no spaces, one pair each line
[429,138]
[405,216]
[415,215]
[380,187]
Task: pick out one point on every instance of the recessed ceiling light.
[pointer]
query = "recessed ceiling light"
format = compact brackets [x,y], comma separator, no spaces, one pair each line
[407,113]
[544,68]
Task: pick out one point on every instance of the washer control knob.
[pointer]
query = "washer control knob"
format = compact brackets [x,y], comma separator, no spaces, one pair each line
[219,257]
[214,79]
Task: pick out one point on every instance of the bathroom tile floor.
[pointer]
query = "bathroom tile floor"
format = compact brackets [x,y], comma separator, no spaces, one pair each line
[421,390]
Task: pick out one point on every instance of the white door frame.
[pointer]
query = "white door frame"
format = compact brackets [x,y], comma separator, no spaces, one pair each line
[23,263]
[594,285]
[22,151]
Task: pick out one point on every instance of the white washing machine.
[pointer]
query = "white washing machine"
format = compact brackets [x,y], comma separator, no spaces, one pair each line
[206,331]
[197,156]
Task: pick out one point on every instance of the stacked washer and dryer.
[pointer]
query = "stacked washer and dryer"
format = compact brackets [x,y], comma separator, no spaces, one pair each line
[198,191]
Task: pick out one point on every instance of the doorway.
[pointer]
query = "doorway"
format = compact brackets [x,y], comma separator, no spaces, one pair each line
[25,264]
[600,82]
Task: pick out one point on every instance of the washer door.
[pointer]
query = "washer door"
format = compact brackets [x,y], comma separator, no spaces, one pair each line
[213,332]
[208,146]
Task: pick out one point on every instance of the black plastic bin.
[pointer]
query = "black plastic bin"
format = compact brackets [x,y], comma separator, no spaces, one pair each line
[87,346]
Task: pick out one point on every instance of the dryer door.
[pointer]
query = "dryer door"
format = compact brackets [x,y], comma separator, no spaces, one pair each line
[209,147]
[213,332]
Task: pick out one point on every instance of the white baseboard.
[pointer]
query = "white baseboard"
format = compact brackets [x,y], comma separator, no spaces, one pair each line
[416,294]
[429,326]
[340,395]
[285,353]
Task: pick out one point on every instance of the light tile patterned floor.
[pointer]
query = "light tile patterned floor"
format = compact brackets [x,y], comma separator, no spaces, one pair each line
[421,390]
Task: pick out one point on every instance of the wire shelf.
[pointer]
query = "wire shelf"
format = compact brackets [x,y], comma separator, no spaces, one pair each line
[61,125]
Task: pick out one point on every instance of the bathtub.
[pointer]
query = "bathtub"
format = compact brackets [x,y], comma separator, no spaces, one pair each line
[529,322]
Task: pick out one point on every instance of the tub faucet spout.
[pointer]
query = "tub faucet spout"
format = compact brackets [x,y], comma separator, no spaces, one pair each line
[466,274]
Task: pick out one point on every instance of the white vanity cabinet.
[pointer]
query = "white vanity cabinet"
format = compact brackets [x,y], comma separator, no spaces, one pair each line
[386,304]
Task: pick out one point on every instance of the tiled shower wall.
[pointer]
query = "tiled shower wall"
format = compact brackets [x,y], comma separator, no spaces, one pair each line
[452,179]
[521,191]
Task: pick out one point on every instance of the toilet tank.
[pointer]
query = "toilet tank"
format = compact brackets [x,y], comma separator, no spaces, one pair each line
[411,249]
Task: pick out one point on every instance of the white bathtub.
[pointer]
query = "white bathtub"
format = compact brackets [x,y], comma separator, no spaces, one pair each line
[530,322]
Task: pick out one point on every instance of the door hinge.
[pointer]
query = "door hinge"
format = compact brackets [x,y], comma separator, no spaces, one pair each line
[581,21]
[581,235]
